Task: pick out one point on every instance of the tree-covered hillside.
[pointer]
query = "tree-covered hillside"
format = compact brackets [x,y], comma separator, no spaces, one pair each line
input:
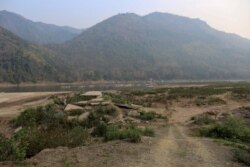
[36,32]
[158,46]
[24,62]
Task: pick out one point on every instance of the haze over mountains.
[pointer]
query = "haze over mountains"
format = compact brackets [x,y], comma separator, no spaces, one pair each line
[37,32]
[24,62]
[160,46]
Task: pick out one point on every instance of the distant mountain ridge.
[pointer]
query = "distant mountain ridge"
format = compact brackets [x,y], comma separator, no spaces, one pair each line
[36,32]
[158,46]
[21,61]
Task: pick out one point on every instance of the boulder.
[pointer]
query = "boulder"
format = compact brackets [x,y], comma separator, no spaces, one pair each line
[97,100]
[125,106]
[71,107]
[81,103]
[212,113]
[133,113]
[95,104]
[70,118]
[105,103]
[93,94]
[83,116]
[18,129]
[132,120]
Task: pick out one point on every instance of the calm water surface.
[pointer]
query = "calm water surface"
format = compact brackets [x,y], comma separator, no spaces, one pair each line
[73,87]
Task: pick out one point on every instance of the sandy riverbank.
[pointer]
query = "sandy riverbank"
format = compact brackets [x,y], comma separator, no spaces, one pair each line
[11,104]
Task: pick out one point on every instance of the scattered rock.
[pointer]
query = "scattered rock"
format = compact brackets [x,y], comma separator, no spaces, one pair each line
[105,103]
[82,103]
[133,113]
[70,118]
[95,104]
[97,100]
[71,107]
[131,120]
[93,94]
[88,108]
[136,106]
[18,129]
[125,106]
[212,113]
[83,116]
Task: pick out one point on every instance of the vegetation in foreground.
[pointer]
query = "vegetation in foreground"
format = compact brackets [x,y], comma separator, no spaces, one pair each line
[50,127]
[233,132]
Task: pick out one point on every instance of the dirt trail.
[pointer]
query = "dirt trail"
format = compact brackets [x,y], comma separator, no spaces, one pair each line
[175,148]
[12,104]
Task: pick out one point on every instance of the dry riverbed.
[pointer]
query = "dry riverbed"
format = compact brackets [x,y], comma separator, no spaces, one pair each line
[172,146]
[12,104]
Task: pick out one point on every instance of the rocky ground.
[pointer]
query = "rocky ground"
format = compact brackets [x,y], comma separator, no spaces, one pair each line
[173,145]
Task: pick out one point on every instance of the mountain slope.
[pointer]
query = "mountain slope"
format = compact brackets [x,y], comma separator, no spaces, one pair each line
[36,32]
[24,62]
[158,46]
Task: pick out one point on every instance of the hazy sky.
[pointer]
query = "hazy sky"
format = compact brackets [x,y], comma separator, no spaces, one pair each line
[227,15]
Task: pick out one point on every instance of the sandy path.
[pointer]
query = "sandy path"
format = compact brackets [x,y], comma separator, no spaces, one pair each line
[12,104]
[176,149]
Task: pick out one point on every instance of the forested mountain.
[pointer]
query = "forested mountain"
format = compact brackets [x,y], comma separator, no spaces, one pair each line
[159,46]
[36,32]
[24,62]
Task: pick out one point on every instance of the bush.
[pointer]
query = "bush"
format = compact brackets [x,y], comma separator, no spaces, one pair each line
[209,101]
[109,110]
[147,116]
[100,130]
[58,101]
[11,151]
[148,132]
[203,119]
[34,140]
[26,118]
[77,97]
[35,116]
[75,112]
[191,92]
[242,156]
[131,134]
[232,129]
[112,133]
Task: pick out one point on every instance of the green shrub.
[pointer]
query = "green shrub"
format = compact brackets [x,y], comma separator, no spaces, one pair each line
[58,101]
[77,137]
[11,151]
[242,156]
[131,134]
[100,130]
[209,101]
[27,118]
[148,132]
[203,119]
[93,120]
[109,110]
[232,129]
[147,116]
[34,140]
[112,133]
[190,92]
[77,97]
[35,116]
[75,112]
